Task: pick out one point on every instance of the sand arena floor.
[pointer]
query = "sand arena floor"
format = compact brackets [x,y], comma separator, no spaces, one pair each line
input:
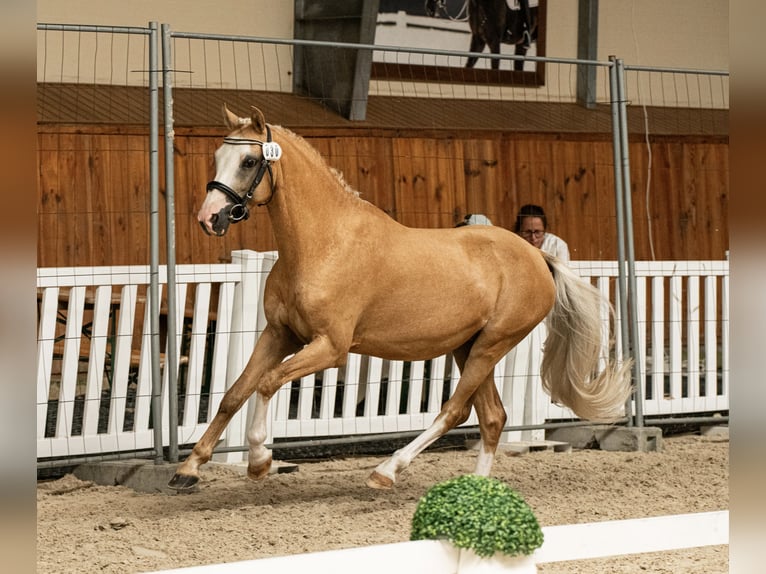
[85,528]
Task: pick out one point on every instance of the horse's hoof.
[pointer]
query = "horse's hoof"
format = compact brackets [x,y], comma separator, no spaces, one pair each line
[183,481]
[259,472]
[379,481]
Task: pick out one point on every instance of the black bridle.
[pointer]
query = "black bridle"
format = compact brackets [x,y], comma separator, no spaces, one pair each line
[239,210]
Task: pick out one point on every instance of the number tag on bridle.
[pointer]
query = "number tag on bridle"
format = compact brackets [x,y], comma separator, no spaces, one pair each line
[271,151]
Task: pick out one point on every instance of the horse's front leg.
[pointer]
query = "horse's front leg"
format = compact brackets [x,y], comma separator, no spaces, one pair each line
[318,355]
[269,351]
[494,47]
[519,50]
[477,45]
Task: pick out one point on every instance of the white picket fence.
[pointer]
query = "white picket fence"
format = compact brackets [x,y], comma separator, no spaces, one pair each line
[94,375]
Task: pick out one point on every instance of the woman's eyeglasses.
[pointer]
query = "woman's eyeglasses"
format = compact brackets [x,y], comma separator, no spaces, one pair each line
[536,233]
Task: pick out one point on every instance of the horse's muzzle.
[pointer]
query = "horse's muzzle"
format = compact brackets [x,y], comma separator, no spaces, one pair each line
[218,222]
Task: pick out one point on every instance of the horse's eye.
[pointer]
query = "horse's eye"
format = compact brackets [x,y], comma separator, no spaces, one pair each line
[249,163]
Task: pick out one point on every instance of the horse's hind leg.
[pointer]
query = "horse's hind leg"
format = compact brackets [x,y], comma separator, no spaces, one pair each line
[269,351]
[492,417]
[454,412]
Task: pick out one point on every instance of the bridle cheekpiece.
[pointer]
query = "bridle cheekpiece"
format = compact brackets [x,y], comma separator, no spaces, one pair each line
[270,151]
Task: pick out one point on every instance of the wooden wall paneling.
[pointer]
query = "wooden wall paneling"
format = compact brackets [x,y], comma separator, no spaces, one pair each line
[104,243]
[689,192]
[139,202]
[705,218]
[719,199]
[94,203]
[659,203]
[577,182]
[639,158]
[688,195]
[427,177]
[557,203]
[544,189]
[677,219]
[81,215]
[600,229]
[376,173]
[573,177]
[484,185]
[65,236]
[451,164]
[709,228]
[409,159]
[49,200]
[667,182]
[534,156]
[523,175]
[119,190]
[367,166]
[508,175]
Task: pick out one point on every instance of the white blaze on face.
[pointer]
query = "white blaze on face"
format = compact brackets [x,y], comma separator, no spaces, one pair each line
[228,159]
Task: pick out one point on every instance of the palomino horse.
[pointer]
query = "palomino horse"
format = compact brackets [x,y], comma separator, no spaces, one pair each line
[493,23]
[350,278]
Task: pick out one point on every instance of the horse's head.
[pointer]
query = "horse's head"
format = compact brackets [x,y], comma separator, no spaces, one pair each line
[241,163]
[433,5]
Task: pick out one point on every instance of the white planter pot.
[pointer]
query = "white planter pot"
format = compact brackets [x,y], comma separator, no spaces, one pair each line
[470,563]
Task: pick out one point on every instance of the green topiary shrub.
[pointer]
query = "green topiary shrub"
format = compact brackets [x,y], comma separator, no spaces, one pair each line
[479,513]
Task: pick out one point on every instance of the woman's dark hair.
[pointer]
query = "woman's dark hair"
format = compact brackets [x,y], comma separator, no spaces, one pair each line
[530,210]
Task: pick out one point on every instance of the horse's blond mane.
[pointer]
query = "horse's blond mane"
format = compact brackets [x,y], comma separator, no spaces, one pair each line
[310,149]
[339,174]
[247,131]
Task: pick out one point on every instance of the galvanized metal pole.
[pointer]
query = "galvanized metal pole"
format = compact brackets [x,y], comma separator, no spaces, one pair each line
[171,353]
[620,213]
[631,257]
[154,250]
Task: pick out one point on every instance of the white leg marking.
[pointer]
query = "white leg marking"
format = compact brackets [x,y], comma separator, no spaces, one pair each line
[256,434]
[402,457]
[484,461]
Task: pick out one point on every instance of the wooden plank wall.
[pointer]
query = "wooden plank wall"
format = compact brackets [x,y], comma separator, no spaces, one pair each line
[94,204]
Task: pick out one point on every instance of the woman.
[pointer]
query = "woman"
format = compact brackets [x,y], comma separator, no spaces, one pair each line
[532,225]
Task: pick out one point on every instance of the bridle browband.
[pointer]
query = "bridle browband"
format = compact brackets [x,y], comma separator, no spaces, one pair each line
[239,210]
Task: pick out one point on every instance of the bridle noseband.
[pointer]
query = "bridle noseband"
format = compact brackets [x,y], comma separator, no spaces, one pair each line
[271,152]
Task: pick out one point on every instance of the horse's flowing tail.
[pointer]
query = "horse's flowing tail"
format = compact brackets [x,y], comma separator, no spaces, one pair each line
[573,349]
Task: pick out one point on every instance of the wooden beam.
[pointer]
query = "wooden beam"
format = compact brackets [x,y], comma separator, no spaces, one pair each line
[587,49]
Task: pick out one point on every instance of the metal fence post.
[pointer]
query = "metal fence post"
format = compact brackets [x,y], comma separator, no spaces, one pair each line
[626,254]
[171,357]
[154,298]
[618,199]
[630,252]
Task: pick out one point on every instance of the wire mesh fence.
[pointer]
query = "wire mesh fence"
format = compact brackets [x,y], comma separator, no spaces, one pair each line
[428,143]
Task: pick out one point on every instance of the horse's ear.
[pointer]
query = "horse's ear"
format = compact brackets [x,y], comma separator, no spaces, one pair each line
[230,119]
[258,121]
